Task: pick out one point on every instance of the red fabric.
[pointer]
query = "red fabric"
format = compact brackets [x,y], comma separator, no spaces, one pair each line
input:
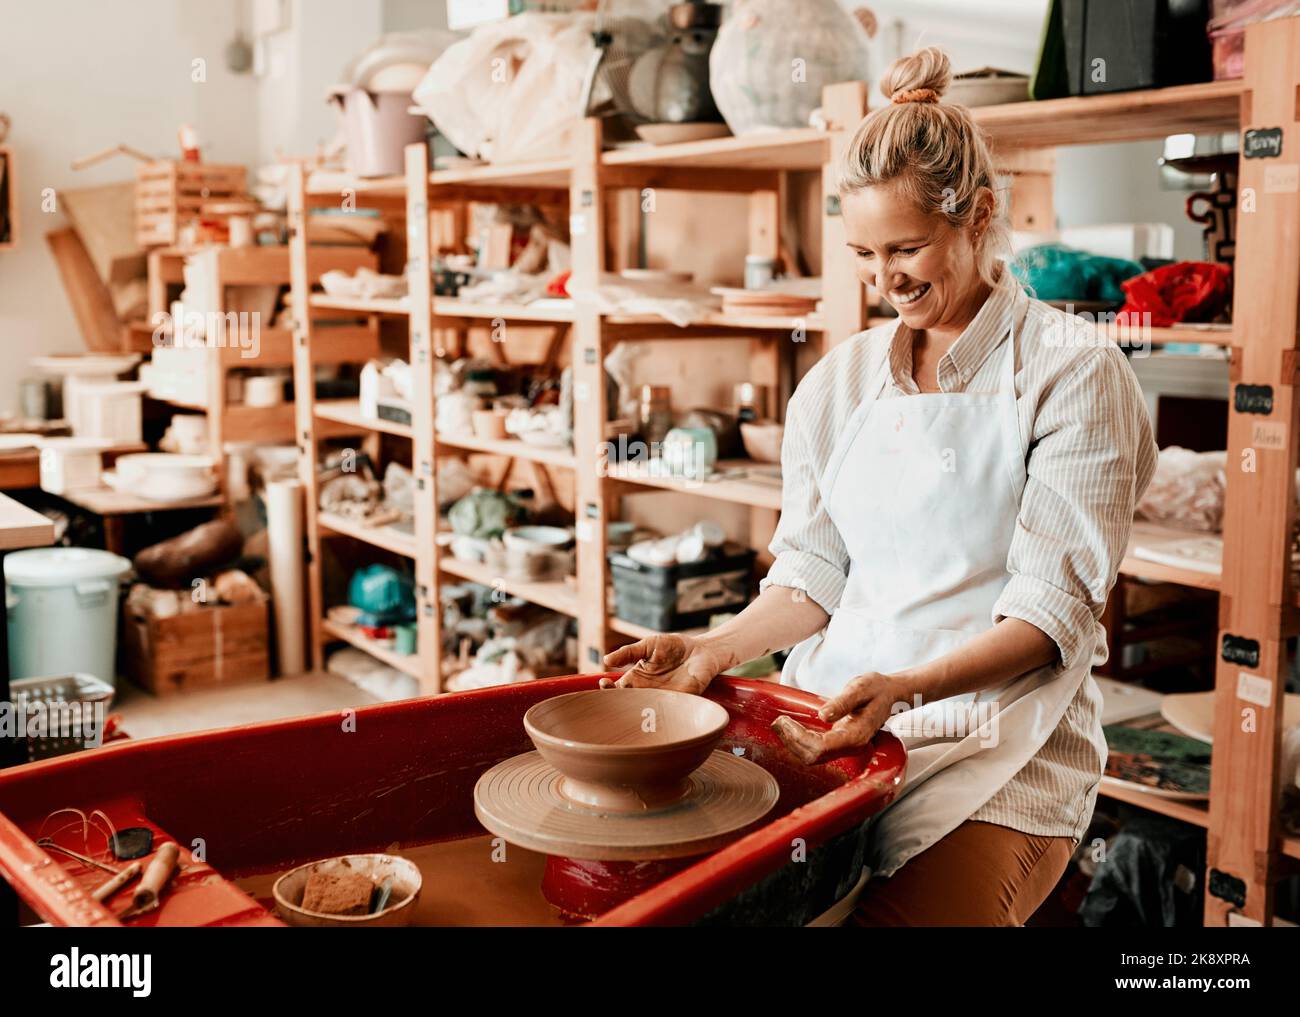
[1188,291]
[559,286]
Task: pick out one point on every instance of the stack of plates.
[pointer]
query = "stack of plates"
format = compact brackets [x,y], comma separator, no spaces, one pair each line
[773,302]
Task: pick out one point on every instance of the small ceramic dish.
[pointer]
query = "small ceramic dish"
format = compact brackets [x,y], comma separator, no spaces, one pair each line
[288,891]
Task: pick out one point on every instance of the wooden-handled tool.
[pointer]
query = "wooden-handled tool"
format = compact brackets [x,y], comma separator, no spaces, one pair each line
[155,877]
[109,887]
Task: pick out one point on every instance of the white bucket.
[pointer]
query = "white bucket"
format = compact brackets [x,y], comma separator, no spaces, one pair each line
[62,604]
[378,127]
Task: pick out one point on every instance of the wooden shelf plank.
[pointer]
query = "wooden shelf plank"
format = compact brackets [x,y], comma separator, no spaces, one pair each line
[1212,107]
[558,595]
[407,664]
[348,412]
[636,631]
[1156,572]
[385,537]
[374,305]
[800,148]
[755,494]
[512,447]
[542,173]
[1197,813]
[451,307]
[334,183]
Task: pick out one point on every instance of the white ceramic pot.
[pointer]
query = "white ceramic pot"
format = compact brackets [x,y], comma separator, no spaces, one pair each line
[772,58]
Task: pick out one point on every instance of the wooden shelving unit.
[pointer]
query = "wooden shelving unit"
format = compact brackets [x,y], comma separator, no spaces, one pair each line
[267,348]
[1258,602]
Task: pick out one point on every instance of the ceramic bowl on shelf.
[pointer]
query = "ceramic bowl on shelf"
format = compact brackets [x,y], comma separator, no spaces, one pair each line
[625,750]
[537,538]
[407,881]
[165,476]
[762,440]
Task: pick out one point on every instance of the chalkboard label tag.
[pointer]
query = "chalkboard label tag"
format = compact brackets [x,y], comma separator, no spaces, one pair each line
[1254,399]
[1240,650]
[1263,143]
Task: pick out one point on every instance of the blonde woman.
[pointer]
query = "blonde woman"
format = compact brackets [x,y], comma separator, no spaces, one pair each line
[959,488]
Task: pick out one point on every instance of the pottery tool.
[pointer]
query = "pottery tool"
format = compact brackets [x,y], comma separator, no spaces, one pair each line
[155,878]
[109,887]
[49,845]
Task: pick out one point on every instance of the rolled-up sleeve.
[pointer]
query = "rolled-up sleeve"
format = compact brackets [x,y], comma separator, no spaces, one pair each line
[1091,457]
[807,547]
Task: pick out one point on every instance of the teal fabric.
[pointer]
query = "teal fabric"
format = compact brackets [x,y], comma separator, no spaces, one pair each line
[1057,272]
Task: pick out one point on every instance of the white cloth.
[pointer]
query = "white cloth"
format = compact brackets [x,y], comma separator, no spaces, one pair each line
[912,561]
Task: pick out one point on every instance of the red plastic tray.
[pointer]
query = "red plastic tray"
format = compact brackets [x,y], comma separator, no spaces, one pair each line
[267,796]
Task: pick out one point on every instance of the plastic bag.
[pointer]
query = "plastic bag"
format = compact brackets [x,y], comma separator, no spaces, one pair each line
[1186,490]
[513,90]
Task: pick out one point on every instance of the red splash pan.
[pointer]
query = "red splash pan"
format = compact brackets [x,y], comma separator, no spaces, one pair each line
[264,797]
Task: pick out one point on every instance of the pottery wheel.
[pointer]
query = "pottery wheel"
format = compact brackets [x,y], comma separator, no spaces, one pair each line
[520,800]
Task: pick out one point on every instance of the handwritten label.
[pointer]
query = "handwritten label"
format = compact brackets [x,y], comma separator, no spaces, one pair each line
[1254,689]
[1268,434]
[1262,143]
[1282,179]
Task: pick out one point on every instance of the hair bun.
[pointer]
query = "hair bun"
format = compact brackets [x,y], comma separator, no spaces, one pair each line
[922,76]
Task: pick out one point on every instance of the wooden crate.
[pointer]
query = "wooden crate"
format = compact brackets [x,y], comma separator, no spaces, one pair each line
[222,645]
[169,194]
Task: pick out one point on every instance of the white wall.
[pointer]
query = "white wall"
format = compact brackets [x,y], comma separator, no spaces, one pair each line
[80,76]
[298,65]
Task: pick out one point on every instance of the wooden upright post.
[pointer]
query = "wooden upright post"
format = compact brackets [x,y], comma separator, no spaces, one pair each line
[1256,611]
[419,264]
[587,236]
[304,390]
[844,297]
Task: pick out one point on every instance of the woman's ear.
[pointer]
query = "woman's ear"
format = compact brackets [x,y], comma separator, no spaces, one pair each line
[982,217]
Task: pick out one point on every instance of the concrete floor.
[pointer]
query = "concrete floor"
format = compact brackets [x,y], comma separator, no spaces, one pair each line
[147,716]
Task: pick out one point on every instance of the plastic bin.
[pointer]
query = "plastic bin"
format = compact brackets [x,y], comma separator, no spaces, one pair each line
[63,605]
[672,597]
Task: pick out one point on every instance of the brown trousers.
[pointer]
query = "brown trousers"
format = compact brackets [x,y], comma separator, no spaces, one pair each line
[980,874]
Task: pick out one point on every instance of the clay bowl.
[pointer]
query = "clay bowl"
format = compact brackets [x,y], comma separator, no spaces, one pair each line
[625,750]
[288,891]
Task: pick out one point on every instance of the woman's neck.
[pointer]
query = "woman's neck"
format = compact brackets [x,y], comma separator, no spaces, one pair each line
[945,333]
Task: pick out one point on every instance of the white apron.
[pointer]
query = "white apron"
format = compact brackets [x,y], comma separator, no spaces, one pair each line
[925,492]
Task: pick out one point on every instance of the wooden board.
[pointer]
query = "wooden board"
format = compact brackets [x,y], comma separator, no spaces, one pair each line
[92,303]
[22,527]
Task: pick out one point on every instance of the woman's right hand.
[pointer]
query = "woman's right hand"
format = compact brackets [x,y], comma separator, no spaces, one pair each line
[668,661]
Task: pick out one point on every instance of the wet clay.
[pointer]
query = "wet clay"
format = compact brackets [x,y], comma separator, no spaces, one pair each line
[625,750]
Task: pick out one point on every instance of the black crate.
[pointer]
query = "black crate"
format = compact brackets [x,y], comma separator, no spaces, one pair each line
[1143,43]
[673,597]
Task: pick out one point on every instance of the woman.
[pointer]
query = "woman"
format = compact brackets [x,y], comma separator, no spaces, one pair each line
[959,488]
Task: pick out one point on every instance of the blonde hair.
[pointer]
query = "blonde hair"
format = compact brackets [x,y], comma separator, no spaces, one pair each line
[932,148]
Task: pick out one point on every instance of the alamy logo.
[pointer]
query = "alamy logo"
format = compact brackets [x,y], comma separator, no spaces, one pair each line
[102,971]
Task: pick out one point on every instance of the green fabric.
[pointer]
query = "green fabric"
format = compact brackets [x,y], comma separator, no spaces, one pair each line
[1057,272]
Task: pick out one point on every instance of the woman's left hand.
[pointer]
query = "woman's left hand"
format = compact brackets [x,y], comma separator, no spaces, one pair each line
[855,716]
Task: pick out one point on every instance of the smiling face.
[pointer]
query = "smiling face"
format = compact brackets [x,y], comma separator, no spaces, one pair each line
[925,267]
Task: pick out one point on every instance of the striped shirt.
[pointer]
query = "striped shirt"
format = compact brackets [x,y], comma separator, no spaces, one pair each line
[1089,456]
